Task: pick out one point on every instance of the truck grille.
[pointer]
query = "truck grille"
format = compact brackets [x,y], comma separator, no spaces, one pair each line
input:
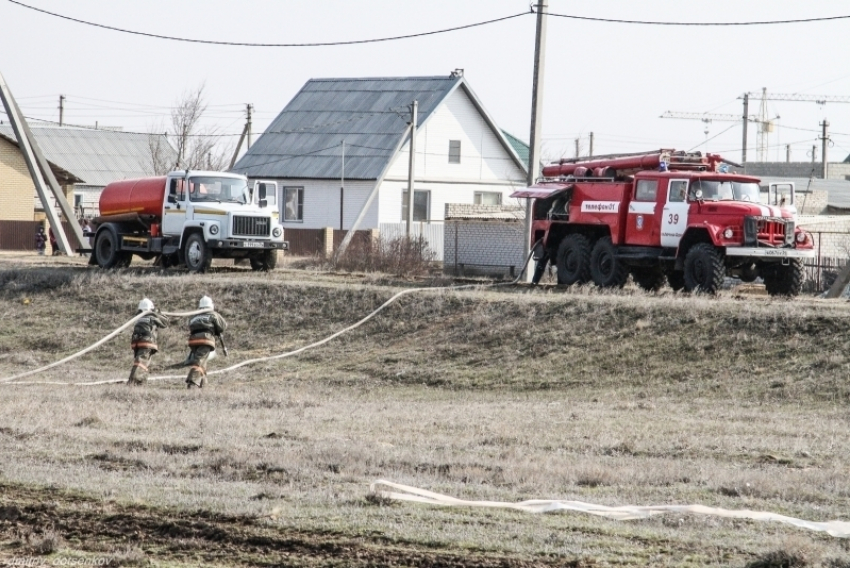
[769,231]
[251,226]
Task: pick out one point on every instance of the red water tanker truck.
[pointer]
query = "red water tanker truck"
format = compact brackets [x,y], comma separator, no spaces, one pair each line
[188,218]
[665,216]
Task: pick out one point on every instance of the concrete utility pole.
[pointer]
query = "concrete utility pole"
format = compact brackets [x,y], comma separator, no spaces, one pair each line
[788,153]
[536,118]
[246,134]
[578,147]
[61,109]
[824,143]
[414,109]
[746,119]
[40,170]
[590,151]
[249,110]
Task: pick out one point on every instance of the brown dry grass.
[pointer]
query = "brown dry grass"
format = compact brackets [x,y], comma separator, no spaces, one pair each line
[503,394]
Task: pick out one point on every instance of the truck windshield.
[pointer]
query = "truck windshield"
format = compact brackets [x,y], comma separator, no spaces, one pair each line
[218,189]
[716,190]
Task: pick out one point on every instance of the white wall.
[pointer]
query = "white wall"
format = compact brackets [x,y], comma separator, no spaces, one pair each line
[321,203]
[485,164]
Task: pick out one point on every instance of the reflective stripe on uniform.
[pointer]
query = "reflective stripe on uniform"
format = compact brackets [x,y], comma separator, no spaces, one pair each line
[140,365]
[143,345]
[202,341]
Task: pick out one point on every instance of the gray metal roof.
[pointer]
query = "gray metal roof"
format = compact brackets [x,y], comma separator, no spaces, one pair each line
[97,157]
[838,190]
[371,115]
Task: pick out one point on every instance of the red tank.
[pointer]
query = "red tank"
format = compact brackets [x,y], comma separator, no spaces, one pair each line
[143,196]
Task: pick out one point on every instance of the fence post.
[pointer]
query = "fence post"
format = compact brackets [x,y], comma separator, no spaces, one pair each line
[328,242]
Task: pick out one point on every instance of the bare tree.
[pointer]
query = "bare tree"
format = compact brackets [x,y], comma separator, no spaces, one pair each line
[162,156]
[197,148]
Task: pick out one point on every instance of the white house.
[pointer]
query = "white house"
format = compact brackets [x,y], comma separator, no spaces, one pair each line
[340,139]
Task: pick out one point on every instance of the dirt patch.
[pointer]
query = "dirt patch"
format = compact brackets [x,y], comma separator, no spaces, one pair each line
[88,526]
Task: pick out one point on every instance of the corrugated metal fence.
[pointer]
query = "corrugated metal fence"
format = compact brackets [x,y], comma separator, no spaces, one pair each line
[20,235]
[432,231]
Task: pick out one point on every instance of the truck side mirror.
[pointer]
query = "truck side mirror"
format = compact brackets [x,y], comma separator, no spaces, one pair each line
[262,191]
[172,198]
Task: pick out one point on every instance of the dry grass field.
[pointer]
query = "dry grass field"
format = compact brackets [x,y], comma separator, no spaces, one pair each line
[504,394]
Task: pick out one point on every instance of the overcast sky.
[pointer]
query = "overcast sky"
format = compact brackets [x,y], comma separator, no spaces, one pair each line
[612,79]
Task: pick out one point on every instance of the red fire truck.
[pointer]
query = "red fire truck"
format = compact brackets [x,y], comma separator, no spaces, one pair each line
[671,216]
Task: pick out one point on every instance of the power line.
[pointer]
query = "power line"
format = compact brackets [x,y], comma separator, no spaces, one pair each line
[249,44]
[697,24]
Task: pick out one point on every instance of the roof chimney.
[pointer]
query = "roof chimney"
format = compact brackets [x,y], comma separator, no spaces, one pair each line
[457,73]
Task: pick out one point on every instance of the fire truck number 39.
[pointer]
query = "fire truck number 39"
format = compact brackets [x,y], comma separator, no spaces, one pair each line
[673,218]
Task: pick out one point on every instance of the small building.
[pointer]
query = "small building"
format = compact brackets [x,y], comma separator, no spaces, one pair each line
[83,160]
[340,140]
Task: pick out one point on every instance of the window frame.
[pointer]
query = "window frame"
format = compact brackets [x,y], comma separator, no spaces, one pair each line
[454,151]
[299,203]
[416,192]
[478,195]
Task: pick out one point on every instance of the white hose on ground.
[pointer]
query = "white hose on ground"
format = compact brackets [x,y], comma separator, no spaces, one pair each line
[839,529]
[14,380]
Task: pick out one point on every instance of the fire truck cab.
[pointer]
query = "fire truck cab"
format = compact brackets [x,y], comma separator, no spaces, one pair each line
[667,216]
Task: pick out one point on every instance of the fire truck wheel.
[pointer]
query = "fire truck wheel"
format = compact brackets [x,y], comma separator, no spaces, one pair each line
[606,269]
[198,256]
[124,260]
[785,280]
[676,280]
[749,273]
[650,278]
[106,250]
[704,270]
[573,260]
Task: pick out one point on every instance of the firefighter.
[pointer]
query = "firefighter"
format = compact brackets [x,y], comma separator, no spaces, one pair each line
[143,341]
[203,330]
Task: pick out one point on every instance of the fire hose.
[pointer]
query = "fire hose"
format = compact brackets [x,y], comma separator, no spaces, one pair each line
[15,380]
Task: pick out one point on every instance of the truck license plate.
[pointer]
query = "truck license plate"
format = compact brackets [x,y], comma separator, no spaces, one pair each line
[255,244]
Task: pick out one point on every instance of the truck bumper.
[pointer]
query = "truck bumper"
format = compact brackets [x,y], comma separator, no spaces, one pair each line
[246,245]
[766,252]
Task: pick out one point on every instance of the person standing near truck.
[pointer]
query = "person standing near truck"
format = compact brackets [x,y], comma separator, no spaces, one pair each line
[203,330]
[143,341]
[40,241]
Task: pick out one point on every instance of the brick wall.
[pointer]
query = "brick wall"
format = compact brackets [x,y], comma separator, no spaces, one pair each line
[484,239]
[16,188]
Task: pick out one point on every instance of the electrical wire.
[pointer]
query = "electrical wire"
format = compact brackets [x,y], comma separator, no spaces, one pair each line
[250,44]
[713,137]
[694,24]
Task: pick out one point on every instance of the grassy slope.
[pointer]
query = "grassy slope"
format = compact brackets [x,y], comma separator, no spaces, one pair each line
[498,394]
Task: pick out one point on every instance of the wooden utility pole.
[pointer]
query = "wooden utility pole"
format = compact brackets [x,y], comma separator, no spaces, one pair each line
[536,118]
[246,134]
[342,188]
[411,170]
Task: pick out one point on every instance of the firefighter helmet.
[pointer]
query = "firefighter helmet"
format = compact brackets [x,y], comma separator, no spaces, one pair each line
[206,302]
[145,305]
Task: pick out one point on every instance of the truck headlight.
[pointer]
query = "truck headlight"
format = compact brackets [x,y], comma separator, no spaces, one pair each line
[728,233]
[213,229]
[801,237]
[277,232]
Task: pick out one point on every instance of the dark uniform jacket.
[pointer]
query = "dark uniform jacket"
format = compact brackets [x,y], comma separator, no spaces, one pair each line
[204,327]
[144,332]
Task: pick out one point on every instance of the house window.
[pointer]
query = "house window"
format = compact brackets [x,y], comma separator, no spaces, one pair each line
[487,198]
[454,151]
[645,190]
[421,205]
[293,203]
